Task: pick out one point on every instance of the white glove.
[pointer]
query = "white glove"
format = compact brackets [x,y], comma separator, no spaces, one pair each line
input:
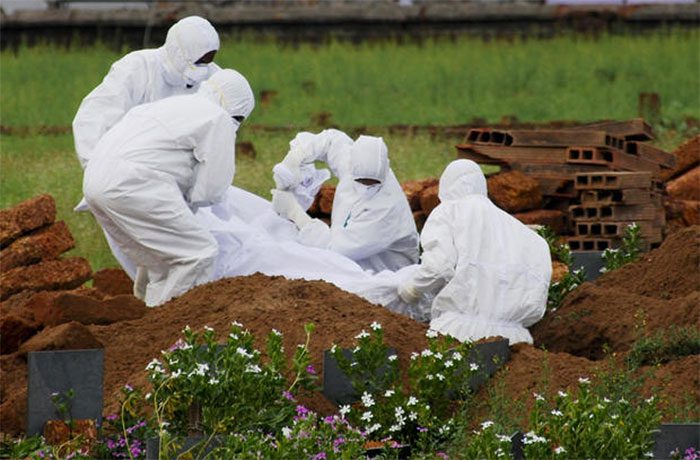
[286,205]
[140,283]
[285,179]
[408,293]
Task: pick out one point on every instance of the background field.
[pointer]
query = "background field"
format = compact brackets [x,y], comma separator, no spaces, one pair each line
[364,88]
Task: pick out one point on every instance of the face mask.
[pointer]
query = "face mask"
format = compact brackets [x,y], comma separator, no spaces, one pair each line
[365,192]
[196,73]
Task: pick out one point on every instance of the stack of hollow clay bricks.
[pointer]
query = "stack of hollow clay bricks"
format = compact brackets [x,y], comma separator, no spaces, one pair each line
[603,175]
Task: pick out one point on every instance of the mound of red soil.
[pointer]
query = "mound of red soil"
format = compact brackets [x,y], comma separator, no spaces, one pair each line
[661,290]
[260,303]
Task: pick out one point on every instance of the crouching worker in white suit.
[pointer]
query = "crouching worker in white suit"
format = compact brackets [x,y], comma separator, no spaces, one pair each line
[371,222]
[154,168]
[492,272]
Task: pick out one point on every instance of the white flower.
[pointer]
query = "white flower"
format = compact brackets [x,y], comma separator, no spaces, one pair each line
[444,429]
[367,399]
[253,368]
[449,363]
[213,381]
[426,353]
[650,400]
[606,400]
[176,374]
[623,401]
[375,326]
[373,428]
[233,336]
[187,328]
[614,416]
[559,450]
[202,368]
[412,400]
[344,410]
[584,380]
[287,432]
[440,377]
[366,416]
[148,396]
[243,352]
[236,324]
[392,358]
[276,332]
[208,329]
[356,349]
[438,355]
[557,413]
[393,428]
[389,393]
[414,355]
[333,348]
[362,334]
[431,333]
[649,454]
[486,424]
[412,416]
[430,377]
[186,346]
[562,394]
[473,367]
[538,397]
[155,365]
[503,438]
[531,438]
[398,411]
[457,356]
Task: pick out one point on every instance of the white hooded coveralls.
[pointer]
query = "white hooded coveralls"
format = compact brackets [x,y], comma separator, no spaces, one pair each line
[158,164]
[491,271]
[373,225]
[145,76]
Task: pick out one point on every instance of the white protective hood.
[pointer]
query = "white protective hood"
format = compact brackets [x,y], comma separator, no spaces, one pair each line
[495,270]
[231,91]
[187,41]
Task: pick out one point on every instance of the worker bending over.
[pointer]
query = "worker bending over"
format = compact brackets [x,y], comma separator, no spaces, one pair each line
[490,272]
[371,221]
[153,168]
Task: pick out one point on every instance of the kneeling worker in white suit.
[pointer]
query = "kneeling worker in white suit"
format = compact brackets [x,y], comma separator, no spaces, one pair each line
[154,168]
[371,222]
[492,272]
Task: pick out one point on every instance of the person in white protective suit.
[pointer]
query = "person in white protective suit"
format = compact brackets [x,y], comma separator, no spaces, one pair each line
[371,221]
[491,273]
[143,76]
[151,171]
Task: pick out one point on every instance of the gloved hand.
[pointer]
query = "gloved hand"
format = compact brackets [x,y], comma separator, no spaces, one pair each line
[287,206]
[140,283]
[408,293]
[285,179]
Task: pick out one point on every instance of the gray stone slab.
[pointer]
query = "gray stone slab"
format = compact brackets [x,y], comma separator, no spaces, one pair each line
[337,387]
[490,356]
[591,261]
[59,371]
[672,436]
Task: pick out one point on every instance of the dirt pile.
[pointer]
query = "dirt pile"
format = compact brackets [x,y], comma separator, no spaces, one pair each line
[661,290]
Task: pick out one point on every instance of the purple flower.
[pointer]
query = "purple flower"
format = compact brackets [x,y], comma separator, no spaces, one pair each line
[177,345]
[320,456]
[110,444]
[337,443]
[128,387]
[421,429]
[310,370]
[302,411]
[329,419]
[287,395]
[441,455]
[111,417]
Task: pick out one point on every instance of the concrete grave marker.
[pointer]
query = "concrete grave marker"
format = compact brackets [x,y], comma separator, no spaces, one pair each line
[59,371]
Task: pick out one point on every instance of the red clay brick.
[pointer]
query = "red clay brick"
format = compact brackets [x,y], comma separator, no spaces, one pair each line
[413,189]
[49,275]
[687,157]
[429,199]
[44,244]
[25,217]
[15,330]
[68,336]
[112,281]
[552,218]
[686,187]
[513,191]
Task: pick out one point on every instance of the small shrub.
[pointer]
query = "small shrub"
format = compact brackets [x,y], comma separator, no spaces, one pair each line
[665,345]
[628,252]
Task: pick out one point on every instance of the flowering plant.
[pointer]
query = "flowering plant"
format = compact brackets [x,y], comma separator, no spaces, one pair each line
[229,385]
[627,252]
[387,409]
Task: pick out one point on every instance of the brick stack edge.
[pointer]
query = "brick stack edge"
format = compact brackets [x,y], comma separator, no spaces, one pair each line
[593,217]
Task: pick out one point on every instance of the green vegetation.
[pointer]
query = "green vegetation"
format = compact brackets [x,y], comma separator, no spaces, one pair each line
[435,82]
[665,345]
[628,252]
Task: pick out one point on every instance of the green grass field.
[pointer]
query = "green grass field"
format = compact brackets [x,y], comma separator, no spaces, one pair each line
[375,85]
